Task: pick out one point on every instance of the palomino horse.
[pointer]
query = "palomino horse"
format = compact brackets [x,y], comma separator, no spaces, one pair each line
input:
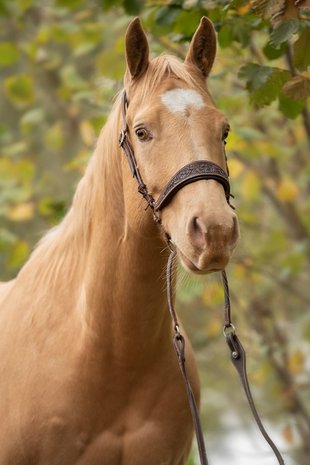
[88,371]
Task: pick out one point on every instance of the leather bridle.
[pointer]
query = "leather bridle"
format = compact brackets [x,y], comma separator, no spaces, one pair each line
[192,172]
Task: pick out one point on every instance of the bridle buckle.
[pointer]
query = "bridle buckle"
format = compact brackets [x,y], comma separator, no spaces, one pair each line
[122,137]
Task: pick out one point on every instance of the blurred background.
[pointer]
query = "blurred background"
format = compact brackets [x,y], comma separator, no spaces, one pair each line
[61,63]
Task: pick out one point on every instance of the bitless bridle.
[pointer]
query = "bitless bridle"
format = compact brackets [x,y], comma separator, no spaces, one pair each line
[192,172]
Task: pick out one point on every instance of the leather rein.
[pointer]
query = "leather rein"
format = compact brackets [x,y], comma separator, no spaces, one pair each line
[192,172]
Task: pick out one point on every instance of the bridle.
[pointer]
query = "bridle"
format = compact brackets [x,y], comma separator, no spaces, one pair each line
[192,172]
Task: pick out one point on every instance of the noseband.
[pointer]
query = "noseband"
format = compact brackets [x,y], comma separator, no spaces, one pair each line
[192,172]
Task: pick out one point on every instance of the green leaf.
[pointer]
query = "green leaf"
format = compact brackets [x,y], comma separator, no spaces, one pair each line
[108,4]
[133,7]
[32,119]
[186,22]
[55,137]
[55,211]
[166,15]
[225,36]
[18,254]
[190,461]
[255,75]
[71,4]
[7,238]
[302,50]
[24,5]
[110,64]
[15,148]
[290,108]
[9,54]
[273,53]
[4,9]
[264,82]
[71,78]
[19,89]
[284,32]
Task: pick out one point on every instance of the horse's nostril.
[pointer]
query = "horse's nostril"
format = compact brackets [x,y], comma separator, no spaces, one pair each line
[235,231]
[213,231]
[197,232]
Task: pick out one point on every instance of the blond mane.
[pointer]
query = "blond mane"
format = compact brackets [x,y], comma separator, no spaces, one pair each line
[165,67]
[63,250]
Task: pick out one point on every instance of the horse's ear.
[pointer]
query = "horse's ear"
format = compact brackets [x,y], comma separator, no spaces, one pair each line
[137,49]
[202,49]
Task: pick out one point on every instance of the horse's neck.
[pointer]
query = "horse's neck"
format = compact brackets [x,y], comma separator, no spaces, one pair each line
[123,283]
[112,276]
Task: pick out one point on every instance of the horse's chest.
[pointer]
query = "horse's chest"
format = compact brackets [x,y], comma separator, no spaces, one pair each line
[151,442]
[106,420]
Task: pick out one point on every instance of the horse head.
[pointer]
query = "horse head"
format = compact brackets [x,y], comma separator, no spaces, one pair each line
[172,122]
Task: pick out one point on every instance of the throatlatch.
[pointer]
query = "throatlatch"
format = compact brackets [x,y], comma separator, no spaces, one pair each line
[193,172]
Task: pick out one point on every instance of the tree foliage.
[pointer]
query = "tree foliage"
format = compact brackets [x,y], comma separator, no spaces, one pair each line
[61,62]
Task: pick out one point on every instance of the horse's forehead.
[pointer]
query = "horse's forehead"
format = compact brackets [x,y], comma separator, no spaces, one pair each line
[178,100]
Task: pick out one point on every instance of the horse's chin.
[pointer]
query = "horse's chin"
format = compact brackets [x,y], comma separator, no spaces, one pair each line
[203,264]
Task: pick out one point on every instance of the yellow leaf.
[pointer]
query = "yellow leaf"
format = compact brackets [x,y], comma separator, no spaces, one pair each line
[20,89]
[54,137]
[244,9]
[79,163]
[296,362]
[87,132]
[240,270]
[248,217]
[288,434]
[18,254]
[212,294]
[259,376]
[21,212]
[287,190]
[251,185]
[235,142]
[297,88]
[214,327]
[235,167]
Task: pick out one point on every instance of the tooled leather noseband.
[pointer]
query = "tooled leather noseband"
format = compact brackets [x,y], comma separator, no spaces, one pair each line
[192,172]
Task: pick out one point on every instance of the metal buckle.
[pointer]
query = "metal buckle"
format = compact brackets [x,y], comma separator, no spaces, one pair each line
[229,329]
[122,137]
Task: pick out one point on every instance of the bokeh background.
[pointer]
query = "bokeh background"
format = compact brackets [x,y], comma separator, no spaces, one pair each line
[61,63]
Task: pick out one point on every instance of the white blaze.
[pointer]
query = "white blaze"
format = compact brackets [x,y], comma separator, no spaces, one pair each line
[177,100]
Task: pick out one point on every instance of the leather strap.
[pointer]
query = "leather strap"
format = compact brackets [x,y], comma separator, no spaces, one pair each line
[238,358]
[194,171]
[125,144]
[179,346]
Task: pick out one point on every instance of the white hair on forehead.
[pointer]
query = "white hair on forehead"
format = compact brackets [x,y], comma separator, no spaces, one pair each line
[177,100]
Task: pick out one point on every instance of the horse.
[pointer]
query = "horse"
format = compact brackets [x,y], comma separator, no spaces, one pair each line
[88,372]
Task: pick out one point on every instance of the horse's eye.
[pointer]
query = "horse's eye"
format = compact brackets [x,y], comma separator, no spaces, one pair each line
[225,135]
[143,135]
